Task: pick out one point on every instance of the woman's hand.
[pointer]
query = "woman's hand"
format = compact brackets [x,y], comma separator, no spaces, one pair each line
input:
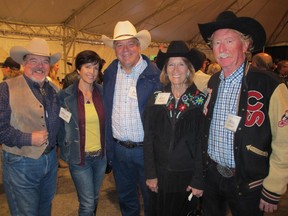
[196,192]
[152,184]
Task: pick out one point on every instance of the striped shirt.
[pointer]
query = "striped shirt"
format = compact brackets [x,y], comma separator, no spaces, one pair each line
[126,119]
[220,143]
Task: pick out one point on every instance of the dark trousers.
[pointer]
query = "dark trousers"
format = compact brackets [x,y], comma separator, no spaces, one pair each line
[221,194]
[172,204]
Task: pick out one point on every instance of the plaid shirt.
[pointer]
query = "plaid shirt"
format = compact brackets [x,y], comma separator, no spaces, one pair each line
[12,137]
[220,143]
[126,119]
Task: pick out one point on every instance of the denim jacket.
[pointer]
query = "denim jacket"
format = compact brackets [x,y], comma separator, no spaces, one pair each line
[71,138]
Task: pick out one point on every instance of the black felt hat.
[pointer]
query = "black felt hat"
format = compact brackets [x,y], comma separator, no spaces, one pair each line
[245,25]
[175,49]
[9,62]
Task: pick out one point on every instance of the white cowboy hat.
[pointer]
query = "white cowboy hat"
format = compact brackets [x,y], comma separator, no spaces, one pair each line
[37,46]
[125,30]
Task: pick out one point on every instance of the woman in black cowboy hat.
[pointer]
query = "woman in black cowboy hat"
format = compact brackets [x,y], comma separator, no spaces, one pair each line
[245,147]
[171,125]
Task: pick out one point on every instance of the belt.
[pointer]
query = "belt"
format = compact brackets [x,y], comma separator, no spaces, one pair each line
[129,144]
[48,149]
[224,171]
[93,153]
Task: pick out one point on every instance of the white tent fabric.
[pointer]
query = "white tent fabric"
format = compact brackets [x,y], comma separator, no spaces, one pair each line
[74,25]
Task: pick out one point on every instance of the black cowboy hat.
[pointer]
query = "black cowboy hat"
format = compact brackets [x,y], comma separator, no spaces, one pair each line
[175,49]
[9,62]
[245,25]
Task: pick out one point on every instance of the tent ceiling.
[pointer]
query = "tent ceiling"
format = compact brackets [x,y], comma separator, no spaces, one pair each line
[167,20]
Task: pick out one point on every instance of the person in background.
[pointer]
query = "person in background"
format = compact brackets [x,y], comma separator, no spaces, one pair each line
[171,126]
[70,78]
[244,138]
[82,133]
[282,67]
[199,62]
[128,83]
[262,61]
[52,76]
[100,76]
[213,68]
[10,69]
[29,124]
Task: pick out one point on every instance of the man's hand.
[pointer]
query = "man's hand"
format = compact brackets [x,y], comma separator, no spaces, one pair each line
[39,138]
[267,207]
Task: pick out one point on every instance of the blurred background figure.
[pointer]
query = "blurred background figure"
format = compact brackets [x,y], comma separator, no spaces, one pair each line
[213,68]
[70,78]
[10,69]
[199,62]
[52,76]
[262,61]
[282,67]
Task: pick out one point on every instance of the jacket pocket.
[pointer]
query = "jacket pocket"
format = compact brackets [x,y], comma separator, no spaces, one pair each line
[256,150]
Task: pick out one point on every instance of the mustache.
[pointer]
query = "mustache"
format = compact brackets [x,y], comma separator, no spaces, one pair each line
[224,55]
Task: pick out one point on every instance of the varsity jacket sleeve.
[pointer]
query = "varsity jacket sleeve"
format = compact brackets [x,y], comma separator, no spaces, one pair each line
[275,184]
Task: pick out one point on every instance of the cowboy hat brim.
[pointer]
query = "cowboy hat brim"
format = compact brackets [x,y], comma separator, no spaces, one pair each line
[143,36]
[162,57]
[245,25]
[18,53]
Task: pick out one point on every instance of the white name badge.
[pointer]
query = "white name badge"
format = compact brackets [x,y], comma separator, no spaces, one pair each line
[232,122]
[65,115]
[162,98]
[132,92]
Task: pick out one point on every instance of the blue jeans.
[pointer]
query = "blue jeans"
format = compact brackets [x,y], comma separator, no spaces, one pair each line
[221,193]
[88,179]
[30,184]
[128,170]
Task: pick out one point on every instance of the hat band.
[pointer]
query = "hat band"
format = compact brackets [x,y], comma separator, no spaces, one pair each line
[124,35]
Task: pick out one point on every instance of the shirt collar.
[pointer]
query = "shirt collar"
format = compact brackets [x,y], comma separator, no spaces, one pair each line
[136,68]
[235,76]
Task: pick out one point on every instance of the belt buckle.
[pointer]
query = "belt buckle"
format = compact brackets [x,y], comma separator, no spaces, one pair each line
[226,172]
[130,144]
[93,153]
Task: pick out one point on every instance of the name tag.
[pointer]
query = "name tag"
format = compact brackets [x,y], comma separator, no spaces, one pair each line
[232,122]
[132,93]
[65,115]
[162,98]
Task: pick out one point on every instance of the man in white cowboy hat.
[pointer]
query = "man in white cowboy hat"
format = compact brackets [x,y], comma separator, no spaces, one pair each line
[244,144]
[128,83]
[28,127]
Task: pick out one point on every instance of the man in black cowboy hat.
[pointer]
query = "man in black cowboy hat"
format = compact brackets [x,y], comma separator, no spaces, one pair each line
[245,145]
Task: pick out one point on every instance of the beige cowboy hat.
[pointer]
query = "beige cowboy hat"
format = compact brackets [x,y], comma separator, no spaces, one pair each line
[125,30]
[37,46]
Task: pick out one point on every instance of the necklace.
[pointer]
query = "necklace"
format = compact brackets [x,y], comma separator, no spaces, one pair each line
[87,92]
[88,98]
